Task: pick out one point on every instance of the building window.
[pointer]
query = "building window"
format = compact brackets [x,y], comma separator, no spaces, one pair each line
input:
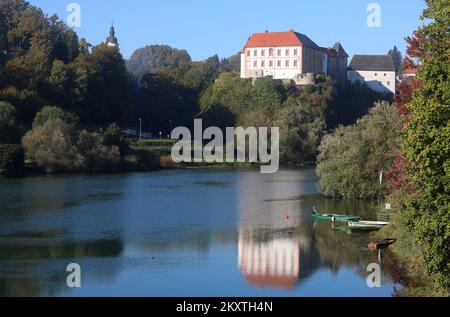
[262,63]
[376,74]
[279,52]
[388,83]
[255,64]
[255,53]
[270,51]
[287,52]
[279,63]
[384,74]
[287,63]
[295,52]
[270,64]
[263,52]
[295,63]
[248,53]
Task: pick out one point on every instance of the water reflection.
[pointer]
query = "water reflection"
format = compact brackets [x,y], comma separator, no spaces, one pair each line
[180,233]
[281,246]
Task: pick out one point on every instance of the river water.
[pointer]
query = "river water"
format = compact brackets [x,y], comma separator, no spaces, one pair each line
[181,233]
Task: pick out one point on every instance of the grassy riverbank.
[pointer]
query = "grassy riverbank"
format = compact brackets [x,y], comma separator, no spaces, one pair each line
[417,283]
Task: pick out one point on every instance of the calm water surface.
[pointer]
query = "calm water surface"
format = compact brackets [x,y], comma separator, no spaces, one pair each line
[181,233]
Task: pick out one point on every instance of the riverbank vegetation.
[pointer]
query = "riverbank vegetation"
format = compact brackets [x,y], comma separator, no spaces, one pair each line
[352,157]
[414,149]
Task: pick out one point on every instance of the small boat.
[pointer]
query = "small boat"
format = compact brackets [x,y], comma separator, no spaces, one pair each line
[334,217]
[351,230]
[372,223]
[384,243]
[361,226]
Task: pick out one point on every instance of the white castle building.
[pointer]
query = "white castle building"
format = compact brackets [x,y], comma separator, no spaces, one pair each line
[291,56]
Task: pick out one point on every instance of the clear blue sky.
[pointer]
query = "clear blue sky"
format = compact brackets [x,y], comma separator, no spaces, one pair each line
[208,27]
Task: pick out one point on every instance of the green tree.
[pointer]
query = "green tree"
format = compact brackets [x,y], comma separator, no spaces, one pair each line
[397,58]
[427,144]
[54,113]
[8,128]
[351,158]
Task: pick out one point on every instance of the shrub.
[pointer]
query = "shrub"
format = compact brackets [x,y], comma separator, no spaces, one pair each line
[113,136]
[97,156]
[11,159]
[167,162]
[52,148]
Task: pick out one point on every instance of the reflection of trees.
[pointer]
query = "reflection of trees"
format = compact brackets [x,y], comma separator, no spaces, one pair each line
[338,249]
[65,250]
[24,268]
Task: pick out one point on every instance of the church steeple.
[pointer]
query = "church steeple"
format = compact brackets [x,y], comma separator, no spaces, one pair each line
[111,40]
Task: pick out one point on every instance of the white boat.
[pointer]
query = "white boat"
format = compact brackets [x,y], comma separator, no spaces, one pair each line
[369,223]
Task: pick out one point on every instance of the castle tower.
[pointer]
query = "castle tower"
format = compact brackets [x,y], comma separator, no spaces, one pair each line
[111,40]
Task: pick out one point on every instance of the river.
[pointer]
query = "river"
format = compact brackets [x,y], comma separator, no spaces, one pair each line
[181,233]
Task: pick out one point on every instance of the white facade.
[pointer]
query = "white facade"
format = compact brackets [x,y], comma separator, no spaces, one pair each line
[283,62]
[379,81]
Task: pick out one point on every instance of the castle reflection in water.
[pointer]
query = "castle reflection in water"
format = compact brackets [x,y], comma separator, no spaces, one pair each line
[275,243]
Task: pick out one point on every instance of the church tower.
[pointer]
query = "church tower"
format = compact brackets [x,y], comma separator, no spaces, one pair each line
[111,40]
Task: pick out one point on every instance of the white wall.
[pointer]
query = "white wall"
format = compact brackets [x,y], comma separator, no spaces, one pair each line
[379,81]
[278,71]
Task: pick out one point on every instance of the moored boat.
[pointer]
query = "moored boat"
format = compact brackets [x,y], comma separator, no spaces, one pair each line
[371,223]
[362,226]
[384,243]
[334,217]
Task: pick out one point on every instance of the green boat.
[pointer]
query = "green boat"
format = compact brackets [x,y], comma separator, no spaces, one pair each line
[334,217]
[349,229]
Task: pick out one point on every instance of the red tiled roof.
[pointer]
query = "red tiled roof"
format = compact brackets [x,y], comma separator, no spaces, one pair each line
[274,39]
[281,282]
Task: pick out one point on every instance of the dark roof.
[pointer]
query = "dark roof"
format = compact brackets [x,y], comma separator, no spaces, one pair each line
[329,51]
[306,41]
[372,63]
[340,50]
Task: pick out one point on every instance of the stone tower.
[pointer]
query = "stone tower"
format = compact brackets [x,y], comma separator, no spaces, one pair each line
[111,40]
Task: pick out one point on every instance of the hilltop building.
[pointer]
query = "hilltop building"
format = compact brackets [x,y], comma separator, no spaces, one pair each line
[336,59]
[377,71]
[291,56]
[111,40]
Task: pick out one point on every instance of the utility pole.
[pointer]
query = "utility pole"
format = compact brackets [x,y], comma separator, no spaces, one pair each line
[140,129]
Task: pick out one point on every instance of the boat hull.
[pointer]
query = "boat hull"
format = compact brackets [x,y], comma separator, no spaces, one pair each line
[338,218]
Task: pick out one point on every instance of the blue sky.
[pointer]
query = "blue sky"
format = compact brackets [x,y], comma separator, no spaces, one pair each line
[208,27]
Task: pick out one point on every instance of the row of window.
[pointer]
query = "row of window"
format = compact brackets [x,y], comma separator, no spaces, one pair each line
[286,63]
[271,52]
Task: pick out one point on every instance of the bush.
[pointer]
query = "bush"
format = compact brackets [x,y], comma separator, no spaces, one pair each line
[113,136]
[167,162]
[97,156]
[51,146]
[11,160]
